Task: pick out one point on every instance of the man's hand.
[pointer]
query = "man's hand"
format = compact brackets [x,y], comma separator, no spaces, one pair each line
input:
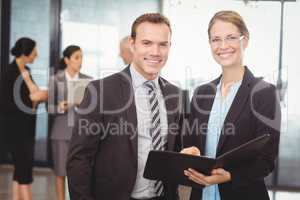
[217,176]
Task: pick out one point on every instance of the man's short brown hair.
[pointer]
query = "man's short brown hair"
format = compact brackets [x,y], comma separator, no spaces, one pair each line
[155,18]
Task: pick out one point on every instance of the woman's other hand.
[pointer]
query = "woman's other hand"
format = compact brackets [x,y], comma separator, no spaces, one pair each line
[217,176]
[191,151]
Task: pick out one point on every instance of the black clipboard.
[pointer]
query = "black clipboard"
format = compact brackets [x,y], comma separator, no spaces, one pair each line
[169,166]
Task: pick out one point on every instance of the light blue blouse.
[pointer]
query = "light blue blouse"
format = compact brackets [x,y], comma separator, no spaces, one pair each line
[217,116]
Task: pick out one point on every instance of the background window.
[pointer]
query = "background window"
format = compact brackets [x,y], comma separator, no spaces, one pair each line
[191,62]
[97,27]
[289,161]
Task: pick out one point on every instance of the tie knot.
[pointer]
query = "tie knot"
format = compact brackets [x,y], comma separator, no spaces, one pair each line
[150,85]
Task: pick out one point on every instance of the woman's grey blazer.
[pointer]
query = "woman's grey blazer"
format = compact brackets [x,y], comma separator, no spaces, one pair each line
[61,124]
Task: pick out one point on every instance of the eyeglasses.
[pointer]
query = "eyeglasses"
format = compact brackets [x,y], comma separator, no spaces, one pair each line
[230,40]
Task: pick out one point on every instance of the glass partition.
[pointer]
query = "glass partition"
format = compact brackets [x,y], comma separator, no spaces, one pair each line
[289,162]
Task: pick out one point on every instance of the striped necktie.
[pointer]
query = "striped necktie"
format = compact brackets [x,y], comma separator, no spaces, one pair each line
[157,141]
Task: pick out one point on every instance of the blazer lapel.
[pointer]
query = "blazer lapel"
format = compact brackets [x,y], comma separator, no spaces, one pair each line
[62,87]
[209,97]
[127,94]
[81,76]
[237,105]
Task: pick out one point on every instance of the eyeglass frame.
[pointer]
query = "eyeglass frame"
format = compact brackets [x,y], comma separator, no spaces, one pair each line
[228,40]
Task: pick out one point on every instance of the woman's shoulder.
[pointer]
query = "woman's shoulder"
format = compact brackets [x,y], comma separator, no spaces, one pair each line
[207,87]
[262,89]
[12,71]
[58,75]
[12,66]
[84,76]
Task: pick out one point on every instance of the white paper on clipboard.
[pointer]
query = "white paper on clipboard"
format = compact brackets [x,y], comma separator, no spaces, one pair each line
[76,90]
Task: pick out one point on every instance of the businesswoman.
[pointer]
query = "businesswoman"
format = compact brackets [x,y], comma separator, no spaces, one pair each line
[20,98]
[229,111]
[59,109]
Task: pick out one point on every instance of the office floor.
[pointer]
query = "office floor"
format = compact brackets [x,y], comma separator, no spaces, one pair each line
[44,180]
[43,185]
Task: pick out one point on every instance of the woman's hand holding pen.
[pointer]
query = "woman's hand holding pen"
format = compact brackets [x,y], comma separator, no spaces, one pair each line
[191,151]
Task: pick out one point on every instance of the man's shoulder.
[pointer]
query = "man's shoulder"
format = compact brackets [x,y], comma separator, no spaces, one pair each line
[169,85]
[111,80]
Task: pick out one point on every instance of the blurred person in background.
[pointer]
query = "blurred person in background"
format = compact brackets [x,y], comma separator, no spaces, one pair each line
[125,52]
[59,109]
[19,100]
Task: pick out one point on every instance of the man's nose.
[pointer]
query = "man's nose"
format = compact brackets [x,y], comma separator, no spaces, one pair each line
[155,50]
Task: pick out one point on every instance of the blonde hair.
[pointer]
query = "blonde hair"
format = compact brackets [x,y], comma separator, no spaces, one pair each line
[231,17]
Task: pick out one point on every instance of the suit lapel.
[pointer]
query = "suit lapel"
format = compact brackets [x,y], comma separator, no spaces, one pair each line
[127,94]
[237,105]
[171,100]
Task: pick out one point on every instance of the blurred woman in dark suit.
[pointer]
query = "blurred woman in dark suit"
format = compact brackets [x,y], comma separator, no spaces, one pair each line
[20,98]
[59,109]
[229,111]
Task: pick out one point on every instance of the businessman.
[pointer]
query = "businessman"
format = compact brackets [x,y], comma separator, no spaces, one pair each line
[123,117]
[125,51]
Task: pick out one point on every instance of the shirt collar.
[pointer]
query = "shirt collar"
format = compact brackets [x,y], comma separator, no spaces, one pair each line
[233,87]
[69,78]
[138,79]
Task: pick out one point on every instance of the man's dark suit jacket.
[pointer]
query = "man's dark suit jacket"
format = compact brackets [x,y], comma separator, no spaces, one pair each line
[102,159]
[254,111]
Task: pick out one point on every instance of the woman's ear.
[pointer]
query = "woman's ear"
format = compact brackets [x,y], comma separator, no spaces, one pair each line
[66,60]
[245,41]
